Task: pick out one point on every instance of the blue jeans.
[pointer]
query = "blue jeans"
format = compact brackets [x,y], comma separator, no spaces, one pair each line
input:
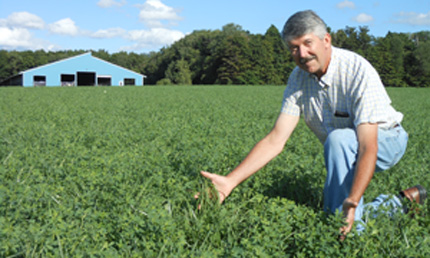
[341,152]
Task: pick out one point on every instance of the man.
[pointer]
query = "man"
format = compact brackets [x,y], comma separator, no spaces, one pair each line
[343,101]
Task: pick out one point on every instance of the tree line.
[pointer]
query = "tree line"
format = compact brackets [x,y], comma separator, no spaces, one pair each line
[233,55]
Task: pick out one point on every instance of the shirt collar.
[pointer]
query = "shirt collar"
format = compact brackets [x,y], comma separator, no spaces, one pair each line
[328,78]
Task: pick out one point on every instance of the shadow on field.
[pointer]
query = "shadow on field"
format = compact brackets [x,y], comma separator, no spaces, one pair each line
[304,188]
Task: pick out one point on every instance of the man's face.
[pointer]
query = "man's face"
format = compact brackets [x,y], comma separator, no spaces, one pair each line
[311,53]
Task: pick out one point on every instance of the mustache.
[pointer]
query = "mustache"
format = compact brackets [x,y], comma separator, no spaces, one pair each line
[307,59]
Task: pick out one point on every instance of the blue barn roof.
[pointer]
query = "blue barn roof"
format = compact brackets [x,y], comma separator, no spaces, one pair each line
[81,70]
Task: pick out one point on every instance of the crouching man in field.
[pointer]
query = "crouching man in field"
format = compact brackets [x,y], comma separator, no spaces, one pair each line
[343,101]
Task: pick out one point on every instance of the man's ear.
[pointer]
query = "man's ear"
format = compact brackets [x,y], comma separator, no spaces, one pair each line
[327,39]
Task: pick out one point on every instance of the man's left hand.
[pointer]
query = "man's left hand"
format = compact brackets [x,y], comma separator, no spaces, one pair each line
[349,207]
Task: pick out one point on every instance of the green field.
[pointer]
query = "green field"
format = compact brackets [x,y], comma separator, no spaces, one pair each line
[111,172]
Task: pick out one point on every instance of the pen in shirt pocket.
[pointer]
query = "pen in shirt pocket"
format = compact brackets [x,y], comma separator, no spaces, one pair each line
[338,113]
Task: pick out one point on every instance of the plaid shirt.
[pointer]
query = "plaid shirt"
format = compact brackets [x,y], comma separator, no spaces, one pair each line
[350,93]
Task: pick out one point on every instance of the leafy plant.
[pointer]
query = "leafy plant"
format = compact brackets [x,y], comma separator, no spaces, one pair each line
[111,172]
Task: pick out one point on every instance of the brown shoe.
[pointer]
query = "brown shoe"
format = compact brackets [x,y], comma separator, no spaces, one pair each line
[414,194]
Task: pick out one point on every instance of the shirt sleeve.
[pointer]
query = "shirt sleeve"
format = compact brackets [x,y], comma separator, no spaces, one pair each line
[371,101]
[292,97]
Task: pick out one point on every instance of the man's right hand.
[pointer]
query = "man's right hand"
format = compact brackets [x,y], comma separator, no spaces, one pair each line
[221,184]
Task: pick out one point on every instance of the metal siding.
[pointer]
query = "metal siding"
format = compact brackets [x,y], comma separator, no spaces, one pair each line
[82,63]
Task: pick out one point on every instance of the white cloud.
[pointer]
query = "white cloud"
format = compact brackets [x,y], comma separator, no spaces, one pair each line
[110,3]
[363,18]
[413,18]
[153,12]
[109,33]
[17,30]
[16,37]
[21,38]
[155,37]
[64,27]
[23,20]
[346,4]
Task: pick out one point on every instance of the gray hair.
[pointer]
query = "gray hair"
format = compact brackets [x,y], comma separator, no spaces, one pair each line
[302,23]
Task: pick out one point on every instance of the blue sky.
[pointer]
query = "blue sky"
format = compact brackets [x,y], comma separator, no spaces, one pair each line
[142,26]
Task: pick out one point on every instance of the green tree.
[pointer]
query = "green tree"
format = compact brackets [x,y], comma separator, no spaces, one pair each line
[235,56]
[388,58]
[282,63]
[418,66]
[339,38]
[40,57]
[178,72]
[232,53]
[4,65]
[364,41]
[121,59]
[16,63]
[349,38]
[352,43]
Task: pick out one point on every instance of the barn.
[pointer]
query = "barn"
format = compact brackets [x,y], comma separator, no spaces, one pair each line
[80,70]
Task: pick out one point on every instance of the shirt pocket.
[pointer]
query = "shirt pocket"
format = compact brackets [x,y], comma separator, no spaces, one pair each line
[342,119]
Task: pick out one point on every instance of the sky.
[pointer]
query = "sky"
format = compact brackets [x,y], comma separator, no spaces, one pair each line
[142,26]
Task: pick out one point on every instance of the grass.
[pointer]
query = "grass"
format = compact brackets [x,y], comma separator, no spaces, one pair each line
[111,172]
